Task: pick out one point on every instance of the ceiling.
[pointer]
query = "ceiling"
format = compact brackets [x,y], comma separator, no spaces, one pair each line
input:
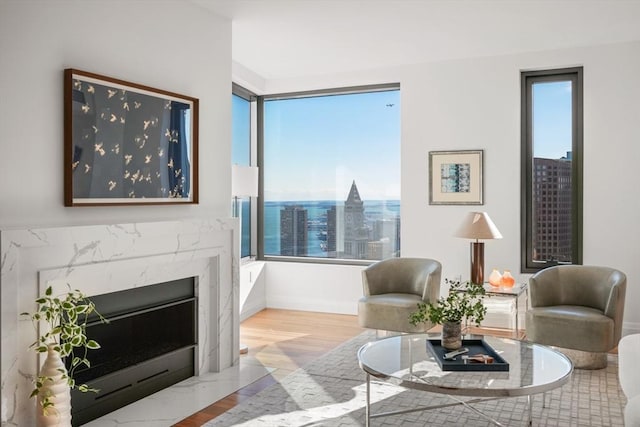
[292,38]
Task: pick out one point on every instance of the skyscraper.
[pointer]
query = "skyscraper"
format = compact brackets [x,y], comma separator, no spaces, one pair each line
[388,228]
[356,233]
[335,231]
[293,231]
[332,230]
[552,213]
[379,249]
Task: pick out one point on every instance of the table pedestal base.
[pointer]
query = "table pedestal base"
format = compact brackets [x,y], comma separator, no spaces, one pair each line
[466,403]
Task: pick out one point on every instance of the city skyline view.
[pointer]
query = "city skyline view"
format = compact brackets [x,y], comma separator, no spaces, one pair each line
[351,228]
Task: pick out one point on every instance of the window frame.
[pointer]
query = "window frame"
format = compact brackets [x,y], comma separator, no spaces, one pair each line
[527,79]
[252,98]
[260,162]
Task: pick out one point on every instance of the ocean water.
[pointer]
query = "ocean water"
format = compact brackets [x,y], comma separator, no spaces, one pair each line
[317,221]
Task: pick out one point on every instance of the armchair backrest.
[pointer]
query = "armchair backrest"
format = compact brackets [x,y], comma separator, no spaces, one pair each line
[602,288]
[419,276]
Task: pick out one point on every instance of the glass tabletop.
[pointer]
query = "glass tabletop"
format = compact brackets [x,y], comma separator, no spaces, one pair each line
[405,360]
[515,290]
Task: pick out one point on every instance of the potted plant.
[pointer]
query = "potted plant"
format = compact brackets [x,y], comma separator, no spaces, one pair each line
[62,322]
[464,301]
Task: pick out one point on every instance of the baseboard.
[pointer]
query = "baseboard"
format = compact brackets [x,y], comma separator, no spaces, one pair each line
[247,312]
[304,304]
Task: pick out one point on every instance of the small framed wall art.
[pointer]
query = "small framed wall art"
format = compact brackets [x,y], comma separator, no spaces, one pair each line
[127,144]
[455,177]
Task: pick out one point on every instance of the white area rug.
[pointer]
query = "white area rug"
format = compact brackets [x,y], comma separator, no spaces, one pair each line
[331,392]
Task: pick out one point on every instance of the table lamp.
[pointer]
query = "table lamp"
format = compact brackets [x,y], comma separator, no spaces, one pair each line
[244,183]
[478,225]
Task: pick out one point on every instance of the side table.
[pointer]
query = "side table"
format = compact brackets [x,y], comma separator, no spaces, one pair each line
[514,292]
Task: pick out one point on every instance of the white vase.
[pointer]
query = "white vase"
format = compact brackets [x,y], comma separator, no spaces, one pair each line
[60,414]
[495,278]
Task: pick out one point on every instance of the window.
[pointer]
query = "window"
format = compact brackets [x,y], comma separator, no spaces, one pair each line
[243,107]
[331,174]
[551,168]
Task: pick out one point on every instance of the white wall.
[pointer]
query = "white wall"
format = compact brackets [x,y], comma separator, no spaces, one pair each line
[475,104]
[252,288]
[313,287]
[172,45]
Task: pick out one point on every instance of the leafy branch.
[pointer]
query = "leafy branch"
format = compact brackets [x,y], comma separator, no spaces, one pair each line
[67,316]
[463,301]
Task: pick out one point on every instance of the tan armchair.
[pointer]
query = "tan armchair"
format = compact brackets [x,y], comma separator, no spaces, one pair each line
[392,290]
[578,309]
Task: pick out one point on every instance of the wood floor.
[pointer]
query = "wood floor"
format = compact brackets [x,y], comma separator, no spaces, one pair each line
[284,340]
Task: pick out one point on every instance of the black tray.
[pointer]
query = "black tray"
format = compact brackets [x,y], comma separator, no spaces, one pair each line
[475,346]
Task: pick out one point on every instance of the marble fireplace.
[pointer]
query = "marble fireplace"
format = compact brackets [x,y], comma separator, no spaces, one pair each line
[100,259]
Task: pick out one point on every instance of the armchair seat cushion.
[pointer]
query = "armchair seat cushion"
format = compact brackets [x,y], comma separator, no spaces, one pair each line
[571,326]
[389,312]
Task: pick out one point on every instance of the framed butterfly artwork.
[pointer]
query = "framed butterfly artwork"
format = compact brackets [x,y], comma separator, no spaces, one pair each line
[127,144]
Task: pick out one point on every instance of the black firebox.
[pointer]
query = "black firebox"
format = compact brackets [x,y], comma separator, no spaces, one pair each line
[150,343]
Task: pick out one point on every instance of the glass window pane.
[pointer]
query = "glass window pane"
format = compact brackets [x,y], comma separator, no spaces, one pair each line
[332,176]
[552,166]
[241,131]
[245,243]
[241,155]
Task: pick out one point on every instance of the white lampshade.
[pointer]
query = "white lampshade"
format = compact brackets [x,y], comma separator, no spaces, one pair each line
[244,181]
[478,225]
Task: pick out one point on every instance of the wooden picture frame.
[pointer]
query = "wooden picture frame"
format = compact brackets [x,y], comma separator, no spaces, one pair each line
[455,177]
[127,144]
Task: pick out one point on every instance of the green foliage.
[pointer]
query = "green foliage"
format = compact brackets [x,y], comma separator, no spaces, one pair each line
[64,318]
[463,301]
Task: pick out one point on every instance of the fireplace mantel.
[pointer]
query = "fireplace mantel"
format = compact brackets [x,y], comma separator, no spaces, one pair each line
[99,259]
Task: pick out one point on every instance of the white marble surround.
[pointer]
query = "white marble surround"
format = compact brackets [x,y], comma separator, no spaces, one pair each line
[99,259]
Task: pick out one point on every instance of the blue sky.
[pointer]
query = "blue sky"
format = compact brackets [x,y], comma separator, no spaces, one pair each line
[552,119]
[316,147]
[241,114]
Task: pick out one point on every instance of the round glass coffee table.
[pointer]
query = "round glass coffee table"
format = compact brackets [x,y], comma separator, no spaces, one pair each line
[406,361]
